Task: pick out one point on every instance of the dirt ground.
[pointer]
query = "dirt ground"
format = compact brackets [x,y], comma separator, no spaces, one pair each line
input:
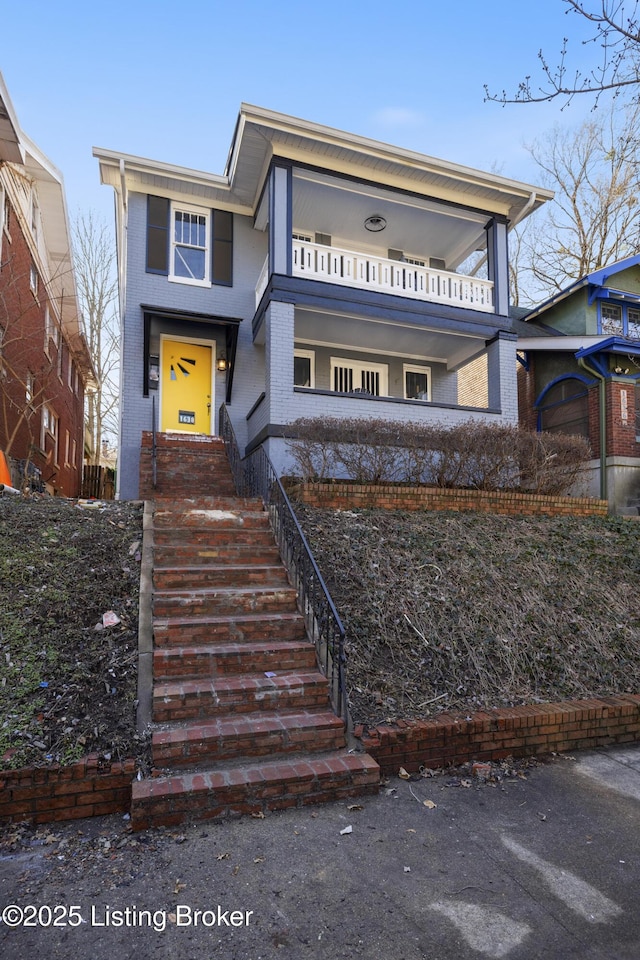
[69,579]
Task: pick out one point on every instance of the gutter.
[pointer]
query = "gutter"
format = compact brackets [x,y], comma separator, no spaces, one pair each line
[602,400]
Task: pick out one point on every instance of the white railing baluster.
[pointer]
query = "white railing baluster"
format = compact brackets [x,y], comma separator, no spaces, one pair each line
[373,272]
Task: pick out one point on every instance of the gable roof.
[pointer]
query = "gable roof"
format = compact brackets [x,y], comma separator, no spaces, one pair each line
[596,279]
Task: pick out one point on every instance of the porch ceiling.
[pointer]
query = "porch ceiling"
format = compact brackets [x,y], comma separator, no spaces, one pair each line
[385,338]
[417,227]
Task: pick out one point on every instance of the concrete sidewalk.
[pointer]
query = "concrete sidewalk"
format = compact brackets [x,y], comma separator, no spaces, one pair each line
[546,864]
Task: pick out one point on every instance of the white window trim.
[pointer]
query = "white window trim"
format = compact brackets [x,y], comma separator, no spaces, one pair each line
[359,366]
[51,426]
[415,368]
[311,356]
[200,212]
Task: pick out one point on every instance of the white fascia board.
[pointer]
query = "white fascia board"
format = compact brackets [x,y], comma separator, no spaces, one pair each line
[561,344]
[112,158]
[375,149]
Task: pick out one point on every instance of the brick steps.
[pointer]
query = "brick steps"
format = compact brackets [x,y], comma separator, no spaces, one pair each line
[225,659]
[196,553]
[225,601]
[259,734]
[240,535]
[238,628]
[256,787]
[242,720]
[205,697]
[218,575]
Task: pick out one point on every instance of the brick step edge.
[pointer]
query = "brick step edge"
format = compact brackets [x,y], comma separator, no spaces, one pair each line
[207,698]
[175,663]
[252,788]
[259,734]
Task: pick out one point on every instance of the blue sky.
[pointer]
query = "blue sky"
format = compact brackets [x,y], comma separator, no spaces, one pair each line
[165,81]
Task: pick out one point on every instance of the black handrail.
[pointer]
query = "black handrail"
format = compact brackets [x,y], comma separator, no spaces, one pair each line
[255,476]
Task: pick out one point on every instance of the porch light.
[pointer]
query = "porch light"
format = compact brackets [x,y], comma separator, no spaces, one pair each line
[375,223]
[221,364]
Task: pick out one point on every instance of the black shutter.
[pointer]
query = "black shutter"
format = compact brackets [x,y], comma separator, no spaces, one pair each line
[158,235]
[222,247]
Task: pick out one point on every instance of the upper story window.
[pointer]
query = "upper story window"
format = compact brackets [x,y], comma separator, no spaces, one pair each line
[189,244]
[619,320]
[33,280]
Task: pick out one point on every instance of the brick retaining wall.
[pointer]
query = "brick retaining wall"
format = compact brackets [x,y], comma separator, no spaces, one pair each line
[523,731]
[349,496]
[89,788]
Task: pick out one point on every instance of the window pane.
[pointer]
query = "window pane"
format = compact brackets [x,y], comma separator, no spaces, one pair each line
[189,262]
[417,386]
[302,371]
[611,318]
[633,323]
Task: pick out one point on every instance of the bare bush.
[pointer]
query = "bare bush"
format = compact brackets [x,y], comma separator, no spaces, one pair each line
[472,454]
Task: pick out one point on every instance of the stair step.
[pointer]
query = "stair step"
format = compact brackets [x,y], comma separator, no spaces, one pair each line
[251,788]
[213,535]
[247,735]
[219,575]
[248,627]
[239,554]
[210,518]
[203,698]
[227,659]
[233,503]
[224,601]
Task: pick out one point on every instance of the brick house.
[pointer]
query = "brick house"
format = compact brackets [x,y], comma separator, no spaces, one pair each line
[322,274]
[579,372]
[44,361]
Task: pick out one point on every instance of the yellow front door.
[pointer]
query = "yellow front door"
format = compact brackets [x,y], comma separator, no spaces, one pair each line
[185,386]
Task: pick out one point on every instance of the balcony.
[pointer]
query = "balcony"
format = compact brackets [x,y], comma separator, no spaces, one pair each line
[396,277]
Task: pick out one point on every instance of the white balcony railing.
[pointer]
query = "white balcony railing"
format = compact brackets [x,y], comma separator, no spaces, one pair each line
[318,262]
[390,276]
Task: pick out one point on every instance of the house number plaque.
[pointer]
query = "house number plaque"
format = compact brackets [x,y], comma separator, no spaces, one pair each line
[186,416]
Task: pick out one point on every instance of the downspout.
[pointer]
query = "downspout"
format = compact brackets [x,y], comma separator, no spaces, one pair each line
[602,398]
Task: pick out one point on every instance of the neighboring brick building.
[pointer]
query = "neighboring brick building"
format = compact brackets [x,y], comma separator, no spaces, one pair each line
[44,361]
[579,372]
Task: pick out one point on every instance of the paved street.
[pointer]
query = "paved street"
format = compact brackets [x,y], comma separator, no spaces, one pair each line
[541,864]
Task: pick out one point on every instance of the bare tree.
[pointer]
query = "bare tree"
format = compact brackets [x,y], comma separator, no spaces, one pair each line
[96,280]
[614,34]
[593,219]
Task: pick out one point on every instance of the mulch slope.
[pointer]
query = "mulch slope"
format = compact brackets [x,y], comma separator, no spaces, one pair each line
[463,612]
[68,684]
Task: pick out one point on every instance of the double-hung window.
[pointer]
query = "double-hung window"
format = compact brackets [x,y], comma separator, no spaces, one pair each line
[190,256]
[189,244]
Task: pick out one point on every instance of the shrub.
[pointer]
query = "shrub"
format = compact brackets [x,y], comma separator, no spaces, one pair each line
[471,454]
